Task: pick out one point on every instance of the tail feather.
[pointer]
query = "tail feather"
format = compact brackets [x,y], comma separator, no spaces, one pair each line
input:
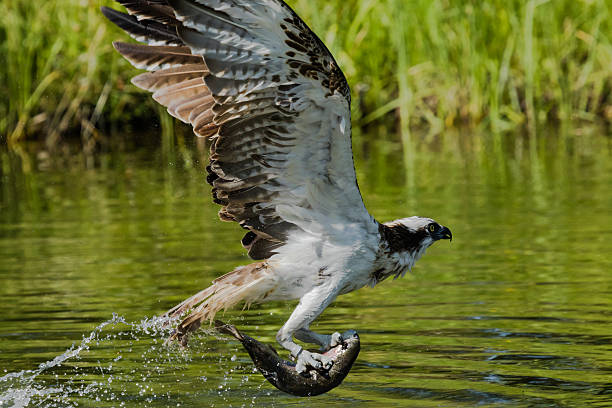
[189,303]
[249,284]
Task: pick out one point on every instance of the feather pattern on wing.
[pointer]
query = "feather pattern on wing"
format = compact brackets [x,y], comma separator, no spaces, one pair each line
[254,78]
[153,30]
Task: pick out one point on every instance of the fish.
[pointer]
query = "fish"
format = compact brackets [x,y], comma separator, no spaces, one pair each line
[283,375]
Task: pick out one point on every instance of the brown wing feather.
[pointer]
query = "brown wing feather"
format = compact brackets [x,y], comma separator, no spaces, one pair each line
[152,57]
[152,81]
[157,10]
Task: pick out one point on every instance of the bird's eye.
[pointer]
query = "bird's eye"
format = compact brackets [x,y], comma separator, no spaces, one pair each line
[432,227]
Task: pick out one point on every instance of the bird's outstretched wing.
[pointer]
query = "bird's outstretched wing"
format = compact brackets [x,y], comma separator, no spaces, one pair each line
[251,76]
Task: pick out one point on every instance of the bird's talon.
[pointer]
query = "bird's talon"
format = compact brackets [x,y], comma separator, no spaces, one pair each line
[336,338]
[307,360]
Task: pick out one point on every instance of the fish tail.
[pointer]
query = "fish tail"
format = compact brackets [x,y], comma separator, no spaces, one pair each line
[249,284]
[228,329]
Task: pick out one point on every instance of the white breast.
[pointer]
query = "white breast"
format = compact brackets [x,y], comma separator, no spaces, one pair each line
[345,261]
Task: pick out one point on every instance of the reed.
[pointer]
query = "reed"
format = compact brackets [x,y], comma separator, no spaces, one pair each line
[411,64]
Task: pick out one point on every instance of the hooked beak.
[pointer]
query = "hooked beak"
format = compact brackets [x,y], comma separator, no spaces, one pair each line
[445,233]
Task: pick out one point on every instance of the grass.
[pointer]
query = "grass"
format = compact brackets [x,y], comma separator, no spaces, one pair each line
[442,63]
[411,64]
[58,72]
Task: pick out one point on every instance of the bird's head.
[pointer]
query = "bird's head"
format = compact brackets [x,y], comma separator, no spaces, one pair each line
[414,234]
[405,241]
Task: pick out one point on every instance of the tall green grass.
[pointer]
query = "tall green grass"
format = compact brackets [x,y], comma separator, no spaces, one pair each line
[411,64]
[60,72]
[443,63]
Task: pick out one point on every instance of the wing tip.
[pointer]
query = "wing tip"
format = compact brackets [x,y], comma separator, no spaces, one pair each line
[107,11]
[115,16]
[120,46]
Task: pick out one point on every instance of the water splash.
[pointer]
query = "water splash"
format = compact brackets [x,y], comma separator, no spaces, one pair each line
[89,369]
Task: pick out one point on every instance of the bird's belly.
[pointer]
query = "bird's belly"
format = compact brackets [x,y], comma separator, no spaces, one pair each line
[290,288]
[356,282]
[296,279]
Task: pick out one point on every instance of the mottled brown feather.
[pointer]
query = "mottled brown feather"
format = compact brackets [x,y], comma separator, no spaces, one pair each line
[179,92]
[152,81]
[150,9]
[152,57]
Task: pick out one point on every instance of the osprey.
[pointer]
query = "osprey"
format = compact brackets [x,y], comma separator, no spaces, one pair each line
[254,79]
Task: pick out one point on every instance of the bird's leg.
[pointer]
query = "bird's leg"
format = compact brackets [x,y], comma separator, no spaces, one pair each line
[326,341]
[310,307]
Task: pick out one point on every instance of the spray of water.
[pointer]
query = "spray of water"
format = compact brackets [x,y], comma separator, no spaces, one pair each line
[89,368]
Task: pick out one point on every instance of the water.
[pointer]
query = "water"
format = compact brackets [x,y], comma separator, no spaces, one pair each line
[516,311]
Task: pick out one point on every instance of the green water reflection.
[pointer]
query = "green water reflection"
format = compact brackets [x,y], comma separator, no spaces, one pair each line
[516,311]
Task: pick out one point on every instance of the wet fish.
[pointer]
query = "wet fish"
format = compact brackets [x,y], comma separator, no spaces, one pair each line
[282,373]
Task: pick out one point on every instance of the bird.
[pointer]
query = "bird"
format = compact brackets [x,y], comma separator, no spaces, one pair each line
[253,78]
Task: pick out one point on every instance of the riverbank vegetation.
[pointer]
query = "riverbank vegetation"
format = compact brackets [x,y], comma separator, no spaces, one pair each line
[432,64]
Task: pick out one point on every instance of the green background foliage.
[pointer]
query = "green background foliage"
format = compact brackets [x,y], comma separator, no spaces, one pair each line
[410,64]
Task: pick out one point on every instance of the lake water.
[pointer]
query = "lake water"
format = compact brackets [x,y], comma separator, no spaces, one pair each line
[516,311]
